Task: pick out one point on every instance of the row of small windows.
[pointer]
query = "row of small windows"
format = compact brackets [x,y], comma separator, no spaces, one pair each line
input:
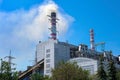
[48,68]
[48,61]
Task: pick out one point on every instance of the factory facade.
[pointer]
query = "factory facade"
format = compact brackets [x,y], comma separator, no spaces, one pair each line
[49,53]
[53,51]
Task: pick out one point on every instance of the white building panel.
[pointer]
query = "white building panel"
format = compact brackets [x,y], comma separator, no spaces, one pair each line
[86,63]
[52,52]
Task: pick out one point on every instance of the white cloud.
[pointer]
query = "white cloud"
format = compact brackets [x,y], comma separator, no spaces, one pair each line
[20,29]
[34,24]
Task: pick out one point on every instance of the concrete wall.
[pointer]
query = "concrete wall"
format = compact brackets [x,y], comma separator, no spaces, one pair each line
[62,53]
[40,50]
[49,57]
[52,52]
[86,63]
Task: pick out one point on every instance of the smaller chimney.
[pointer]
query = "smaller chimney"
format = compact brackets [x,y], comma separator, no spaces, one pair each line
[92,39]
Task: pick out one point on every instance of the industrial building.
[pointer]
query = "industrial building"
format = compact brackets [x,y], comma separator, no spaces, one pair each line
[49,53]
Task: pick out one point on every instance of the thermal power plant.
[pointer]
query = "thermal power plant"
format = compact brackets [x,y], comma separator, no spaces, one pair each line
[49,53]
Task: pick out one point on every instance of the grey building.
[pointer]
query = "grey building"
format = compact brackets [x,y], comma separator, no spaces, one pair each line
[53,51]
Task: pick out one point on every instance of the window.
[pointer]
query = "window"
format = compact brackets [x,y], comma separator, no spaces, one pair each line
[47,65]
[48,50]
[47,60]
[47,55]
[47,71]
[83,49]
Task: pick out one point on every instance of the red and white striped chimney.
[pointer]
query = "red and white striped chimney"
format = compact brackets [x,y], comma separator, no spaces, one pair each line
[53,26]
[92,39]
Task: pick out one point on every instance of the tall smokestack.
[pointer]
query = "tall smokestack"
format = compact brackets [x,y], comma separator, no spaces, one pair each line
[92,39]
[53,21]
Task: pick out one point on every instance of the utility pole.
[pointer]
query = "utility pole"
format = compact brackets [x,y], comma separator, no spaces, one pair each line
[10,61]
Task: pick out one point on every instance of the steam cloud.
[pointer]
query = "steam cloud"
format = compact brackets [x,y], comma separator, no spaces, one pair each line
[20,29]
[35,23]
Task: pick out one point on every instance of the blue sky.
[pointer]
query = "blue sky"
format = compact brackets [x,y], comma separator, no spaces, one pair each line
[101,15]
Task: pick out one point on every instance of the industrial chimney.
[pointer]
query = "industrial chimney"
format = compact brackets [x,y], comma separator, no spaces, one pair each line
[92,39]
[53,21]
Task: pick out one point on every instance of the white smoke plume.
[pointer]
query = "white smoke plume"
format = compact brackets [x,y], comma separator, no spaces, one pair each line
[34,24]
[20,29]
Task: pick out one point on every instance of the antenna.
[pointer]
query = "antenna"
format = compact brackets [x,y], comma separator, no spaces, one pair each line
[53,21]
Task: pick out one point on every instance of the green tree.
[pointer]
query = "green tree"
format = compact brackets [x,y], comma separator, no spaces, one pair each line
[69,71]
[112,69]
[47,78]
[15,76]
[94,77]
[37,76]
[6,73]
[118,75]
[101,72]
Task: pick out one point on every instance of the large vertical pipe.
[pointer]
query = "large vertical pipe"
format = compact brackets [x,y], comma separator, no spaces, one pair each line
[92,39]
[53,26]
